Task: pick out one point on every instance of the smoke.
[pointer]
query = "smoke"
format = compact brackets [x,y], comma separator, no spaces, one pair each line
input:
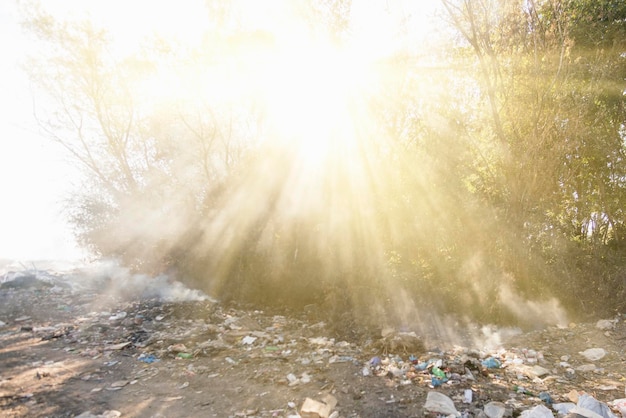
[111,279]
[535,313]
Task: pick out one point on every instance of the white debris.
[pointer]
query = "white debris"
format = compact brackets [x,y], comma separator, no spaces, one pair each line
[605,324]
[539,411]
[439,403]
[593,354]
[495,409]
[248,340]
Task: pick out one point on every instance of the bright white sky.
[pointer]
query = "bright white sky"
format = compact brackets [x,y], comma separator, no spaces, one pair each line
[35,180]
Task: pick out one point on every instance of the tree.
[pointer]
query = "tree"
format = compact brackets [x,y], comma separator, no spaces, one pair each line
[547,71]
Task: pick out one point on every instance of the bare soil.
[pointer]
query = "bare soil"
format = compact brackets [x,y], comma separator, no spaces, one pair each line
[66,351]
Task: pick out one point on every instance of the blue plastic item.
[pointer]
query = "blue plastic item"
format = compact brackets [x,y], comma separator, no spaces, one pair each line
[491,363]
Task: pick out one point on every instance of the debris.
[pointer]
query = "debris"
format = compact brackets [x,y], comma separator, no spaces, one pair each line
[147,358]
[467,396]
[605,324]
[593,354]
[491,363]
[118,316]
[540,371]
[185,356]
[248,340]
[118,385]
[563,408]
[292,379]
[105,414]
[620,405]
[439,403]
[589,403]
[177,348]
[494,409]
[545,396]
[315,409]
[539,411]
[586,368]
[117,346]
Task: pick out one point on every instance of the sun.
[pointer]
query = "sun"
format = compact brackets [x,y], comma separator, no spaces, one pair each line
[312,95]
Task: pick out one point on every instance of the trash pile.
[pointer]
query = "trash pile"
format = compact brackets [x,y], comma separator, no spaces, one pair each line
[188,355]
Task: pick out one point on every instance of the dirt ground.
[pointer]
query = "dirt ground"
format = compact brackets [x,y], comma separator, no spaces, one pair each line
[71,350]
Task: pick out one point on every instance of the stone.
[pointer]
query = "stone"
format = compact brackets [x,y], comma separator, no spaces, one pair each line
[593,354]
[586,368]
[540,371]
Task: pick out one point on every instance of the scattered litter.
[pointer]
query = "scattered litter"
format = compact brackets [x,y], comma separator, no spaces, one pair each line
[289,352]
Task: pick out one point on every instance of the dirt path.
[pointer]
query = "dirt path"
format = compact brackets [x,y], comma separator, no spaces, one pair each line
[65,351]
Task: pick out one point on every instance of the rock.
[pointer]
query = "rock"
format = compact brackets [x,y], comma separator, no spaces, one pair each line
[586,368]
[315,409]
[495,409]
[540,371]
[593,354]
[119,384]
[439,403]
[573,396]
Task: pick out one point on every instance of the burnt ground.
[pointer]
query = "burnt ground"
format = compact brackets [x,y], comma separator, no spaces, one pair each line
[67,350]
